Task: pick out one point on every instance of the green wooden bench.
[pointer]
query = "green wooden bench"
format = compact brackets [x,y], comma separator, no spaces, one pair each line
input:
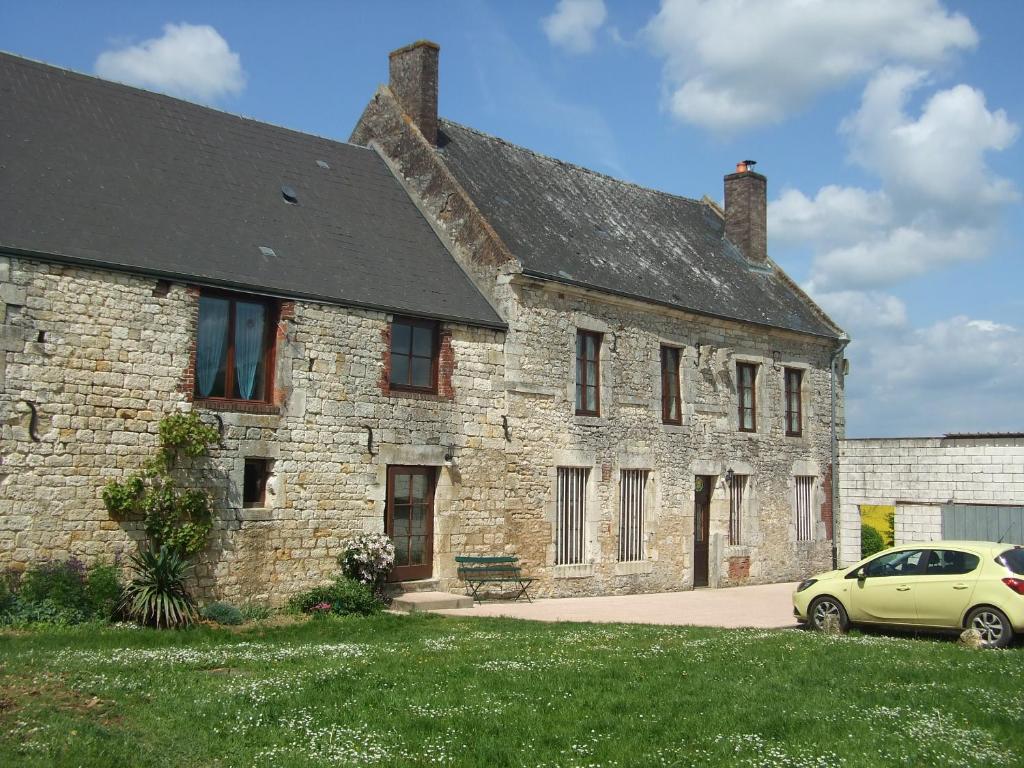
[499,569]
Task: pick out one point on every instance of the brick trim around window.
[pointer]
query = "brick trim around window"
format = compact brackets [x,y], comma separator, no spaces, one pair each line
[445,369]
[285,312]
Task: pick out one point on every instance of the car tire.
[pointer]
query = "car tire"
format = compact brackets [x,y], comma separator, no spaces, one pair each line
[995,629]
[823,606]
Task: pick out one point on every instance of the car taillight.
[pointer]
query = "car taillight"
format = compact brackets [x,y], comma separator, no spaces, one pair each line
[1017,585]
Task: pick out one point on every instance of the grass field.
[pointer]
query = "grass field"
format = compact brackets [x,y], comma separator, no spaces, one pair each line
[395,691]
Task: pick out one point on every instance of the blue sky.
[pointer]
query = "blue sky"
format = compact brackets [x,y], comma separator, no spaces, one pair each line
[889,131]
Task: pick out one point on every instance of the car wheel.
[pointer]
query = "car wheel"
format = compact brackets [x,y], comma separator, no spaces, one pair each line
[823,607]
[992,625]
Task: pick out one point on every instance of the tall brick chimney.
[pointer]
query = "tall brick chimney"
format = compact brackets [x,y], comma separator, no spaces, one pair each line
[413,80]
[746,211]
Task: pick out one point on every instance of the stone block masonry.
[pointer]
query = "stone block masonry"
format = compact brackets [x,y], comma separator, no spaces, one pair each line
[95,358]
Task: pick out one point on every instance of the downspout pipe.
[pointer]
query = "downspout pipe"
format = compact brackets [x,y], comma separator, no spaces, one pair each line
[837,356]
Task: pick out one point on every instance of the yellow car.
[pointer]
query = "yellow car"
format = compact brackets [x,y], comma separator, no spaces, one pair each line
[936,585]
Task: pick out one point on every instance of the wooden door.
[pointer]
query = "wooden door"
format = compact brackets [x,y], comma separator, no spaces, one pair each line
[701,528]
[409,521]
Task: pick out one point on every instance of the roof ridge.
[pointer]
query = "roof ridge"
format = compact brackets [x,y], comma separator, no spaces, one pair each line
[137,89]
[568,164]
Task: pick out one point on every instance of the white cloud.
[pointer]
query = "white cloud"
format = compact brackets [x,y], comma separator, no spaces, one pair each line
[835,214]
[958,374]
[574,23]
[863,311]
[903,253]
[733,65]
[939,202]
[939,157]
[191,61]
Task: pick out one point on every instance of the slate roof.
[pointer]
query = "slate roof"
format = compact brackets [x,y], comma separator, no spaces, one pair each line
[573,225]
[101,173]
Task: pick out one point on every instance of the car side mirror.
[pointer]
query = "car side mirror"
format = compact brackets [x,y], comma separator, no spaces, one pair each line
[862,574]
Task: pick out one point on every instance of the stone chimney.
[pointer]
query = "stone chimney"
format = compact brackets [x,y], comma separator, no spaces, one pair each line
[413,81]
[746,211]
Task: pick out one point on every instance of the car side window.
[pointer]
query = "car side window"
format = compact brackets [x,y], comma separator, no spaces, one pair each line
[905,563]
[950,562]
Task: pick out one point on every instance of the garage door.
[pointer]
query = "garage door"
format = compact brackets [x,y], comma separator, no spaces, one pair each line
[983,522]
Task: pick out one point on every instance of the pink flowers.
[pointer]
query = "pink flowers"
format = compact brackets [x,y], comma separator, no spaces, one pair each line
[320,609]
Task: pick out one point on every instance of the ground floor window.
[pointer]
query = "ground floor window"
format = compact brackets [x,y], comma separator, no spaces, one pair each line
[632,492]
[804,518]
[571,515]
[737,490]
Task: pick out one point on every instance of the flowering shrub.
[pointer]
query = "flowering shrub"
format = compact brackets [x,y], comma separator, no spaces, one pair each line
[368,558]
[59,592]
[342,596]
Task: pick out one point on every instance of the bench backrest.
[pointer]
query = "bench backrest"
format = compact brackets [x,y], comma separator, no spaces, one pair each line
[487,560]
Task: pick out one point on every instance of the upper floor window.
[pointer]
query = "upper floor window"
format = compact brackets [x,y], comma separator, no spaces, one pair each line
[794,405]
[414,355]
[234,348]
[671,401]
[588,373]
[746,378]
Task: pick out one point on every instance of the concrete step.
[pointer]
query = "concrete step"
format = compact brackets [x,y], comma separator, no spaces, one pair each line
[399,588]
[416,602]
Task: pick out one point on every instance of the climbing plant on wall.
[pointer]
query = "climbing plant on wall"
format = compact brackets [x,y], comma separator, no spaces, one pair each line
[175,516]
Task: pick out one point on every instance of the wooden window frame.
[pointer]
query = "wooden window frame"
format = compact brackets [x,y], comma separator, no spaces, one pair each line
[667,376]
[435,353]
[581,370]
[269,346]
[740,398]
[799,412]
[421,570]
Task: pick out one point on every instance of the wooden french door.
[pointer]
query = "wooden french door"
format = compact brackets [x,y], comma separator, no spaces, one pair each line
[701,527]
[409,521]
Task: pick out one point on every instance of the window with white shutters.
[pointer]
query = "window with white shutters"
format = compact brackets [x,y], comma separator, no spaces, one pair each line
[632,490]
[572,515]
[804,518]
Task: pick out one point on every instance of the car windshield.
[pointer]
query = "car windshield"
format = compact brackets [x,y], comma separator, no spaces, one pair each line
[1013,559]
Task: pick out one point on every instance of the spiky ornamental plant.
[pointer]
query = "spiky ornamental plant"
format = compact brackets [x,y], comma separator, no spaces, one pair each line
[156,595]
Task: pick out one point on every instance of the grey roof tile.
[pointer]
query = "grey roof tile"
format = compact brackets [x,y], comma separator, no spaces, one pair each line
[98,172]
[574,225]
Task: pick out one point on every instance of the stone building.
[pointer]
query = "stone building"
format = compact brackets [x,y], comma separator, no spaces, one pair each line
[673,396]
[960,486]
[159,255]
[427,331]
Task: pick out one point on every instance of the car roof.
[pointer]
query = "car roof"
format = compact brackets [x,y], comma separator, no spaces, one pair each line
[977,545]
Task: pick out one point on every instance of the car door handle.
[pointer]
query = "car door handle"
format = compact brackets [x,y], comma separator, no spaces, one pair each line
[960,586]
[904,588]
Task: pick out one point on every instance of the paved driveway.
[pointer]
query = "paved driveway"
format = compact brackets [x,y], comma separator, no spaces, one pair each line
[764,605]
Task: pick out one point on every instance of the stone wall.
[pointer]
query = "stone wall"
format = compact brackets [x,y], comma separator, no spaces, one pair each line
[539,358]
[94,358]
[917,475]
[629,434]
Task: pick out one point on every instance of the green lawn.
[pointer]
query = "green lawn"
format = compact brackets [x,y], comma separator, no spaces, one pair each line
[392,691]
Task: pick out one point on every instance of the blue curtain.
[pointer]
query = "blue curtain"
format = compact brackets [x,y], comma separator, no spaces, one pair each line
[249,336]
[213,336]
